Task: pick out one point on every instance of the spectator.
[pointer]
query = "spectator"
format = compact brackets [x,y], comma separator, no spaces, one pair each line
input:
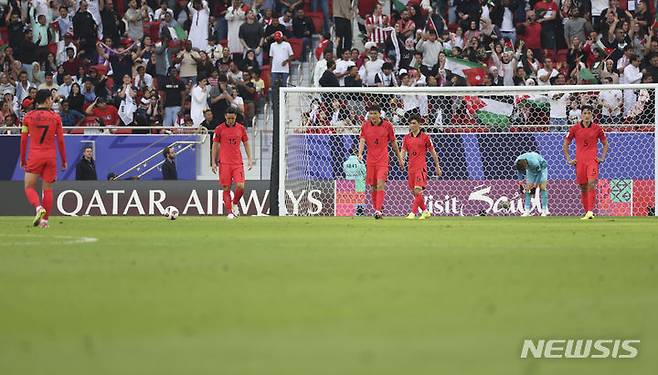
[407,27]
[235,16]
[200,20]
[174,88]
[328,78]
[247,91]
[209,121]
[430,47]
[371,67]
[251,36]
[321,66]
[6,86]
[70,117]
[221,97]
[75,98]
[15,28]
[342,67]
[386,78]
[169,165]
[249,63]
[22,86]
[282,54]
[85,170]
[302,27]
[632,74]
[127,94]
[343,13]
[353,78]
[107,114]
[546,74]
[531,32]
[575,26]
[558,101]
[48,83]
[377,23]
[611,103]
[199,101]
[110,22]
[134,17]
[85,28]
[188,63]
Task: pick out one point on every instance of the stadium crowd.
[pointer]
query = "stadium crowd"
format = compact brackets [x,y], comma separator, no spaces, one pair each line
[182,63]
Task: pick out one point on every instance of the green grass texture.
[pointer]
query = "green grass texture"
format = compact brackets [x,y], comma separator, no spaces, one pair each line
[316,296]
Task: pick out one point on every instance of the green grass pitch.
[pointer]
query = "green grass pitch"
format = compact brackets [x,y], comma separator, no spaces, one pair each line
[316,296]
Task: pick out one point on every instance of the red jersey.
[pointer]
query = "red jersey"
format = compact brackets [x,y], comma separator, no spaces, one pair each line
[586,140]
[229,138]
[377,138]
[378,35]
[417,148]
[108,114]
[42,126]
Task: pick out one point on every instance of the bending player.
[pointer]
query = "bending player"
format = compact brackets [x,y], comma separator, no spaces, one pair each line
[417,144]
[533,168]
[41,126]
[587,134]
[228,136]
[376,133]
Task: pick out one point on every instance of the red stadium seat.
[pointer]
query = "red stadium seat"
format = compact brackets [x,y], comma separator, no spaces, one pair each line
[318,20]
[265,76]
[4,33]
[297,47]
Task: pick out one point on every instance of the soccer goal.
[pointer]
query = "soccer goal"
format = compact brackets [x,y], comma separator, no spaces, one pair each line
[478,132]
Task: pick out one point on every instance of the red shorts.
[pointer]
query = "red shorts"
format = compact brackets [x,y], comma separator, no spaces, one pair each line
[417,177]
[46,168]
[231,173]
[586,171]
[376,173]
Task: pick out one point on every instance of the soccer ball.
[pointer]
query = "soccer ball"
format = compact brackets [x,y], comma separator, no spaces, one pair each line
[171,213]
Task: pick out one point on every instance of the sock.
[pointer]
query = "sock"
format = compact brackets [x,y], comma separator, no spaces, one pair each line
[380,200]
[373,197]
[591,199]
[47,202]
[32,197]
[227,201]
[528,202]
[414,205]
[583,200]
[421,201]
[238,194]
[544,199]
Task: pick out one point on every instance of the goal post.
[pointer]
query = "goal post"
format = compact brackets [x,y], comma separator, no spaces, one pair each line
[478,132]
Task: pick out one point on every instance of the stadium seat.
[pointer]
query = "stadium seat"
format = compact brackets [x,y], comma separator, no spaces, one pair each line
[224,43]
[297,47]
[318,20]
[265,76]
[4,34]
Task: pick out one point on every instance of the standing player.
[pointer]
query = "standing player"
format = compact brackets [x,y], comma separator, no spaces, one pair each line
[376,133]
[587,134]
[41,126]
[228,136]
[417,144]
[533,169]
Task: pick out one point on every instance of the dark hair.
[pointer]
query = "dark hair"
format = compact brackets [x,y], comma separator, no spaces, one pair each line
[520,165]
[331,64]
[415,117]
[586,106]
[230,110]
[387,66]
[165,151]
[374,108]
[42,96]
[86,147]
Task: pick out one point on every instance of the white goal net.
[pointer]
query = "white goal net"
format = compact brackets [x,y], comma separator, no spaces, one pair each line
[478,132]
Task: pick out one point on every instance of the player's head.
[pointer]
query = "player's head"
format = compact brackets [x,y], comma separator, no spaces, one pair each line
[207,115]
[44,98]
[586,113]
[374,113]
[230,115]
[414,123]
[521,165]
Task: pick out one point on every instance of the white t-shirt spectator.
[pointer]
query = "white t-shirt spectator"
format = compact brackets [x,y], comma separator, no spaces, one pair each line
[613,99]
[341,67]
[508,21]
[558,103]
[279,53]
[542,72]
[369,70]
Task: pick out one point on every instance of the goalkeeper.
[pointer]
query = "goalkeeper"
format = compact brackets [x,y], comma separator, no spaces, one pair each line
[532,168]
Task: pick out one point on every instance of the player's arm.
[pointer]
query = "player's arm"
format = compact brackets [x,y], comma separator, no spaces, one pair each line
[60,142]
[214,152]
[24,137]
[565,149]
[362,144]
[604,152]
[247,150]
[403,153]
[435,157]
[396,149]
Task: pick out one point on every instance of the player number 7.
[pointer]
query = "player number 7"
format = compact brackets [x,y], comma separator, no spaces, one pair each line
[43,135]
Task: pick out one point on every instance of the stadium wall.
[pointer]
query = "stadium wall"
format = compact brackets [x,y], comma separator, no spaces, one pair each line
[114,154]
